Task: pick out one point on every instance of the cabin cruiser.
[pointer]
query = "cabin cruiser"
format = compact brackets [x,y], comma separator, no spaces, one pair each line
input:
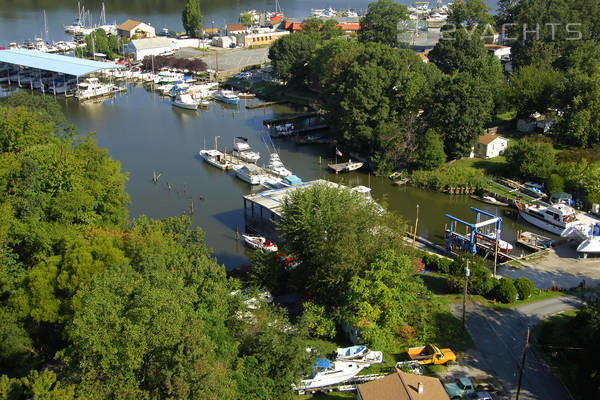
[227,96]
[216,159]
[92,87]
[251,173]
[328,373]
[242,150]
[359,353]
[183,100]
[552,218]
[259,243]
[276,167]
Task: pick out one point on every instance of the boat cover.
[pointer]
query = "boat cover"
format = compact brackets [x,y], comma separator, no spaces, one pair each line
[293,180]
[349,351]
[323,363]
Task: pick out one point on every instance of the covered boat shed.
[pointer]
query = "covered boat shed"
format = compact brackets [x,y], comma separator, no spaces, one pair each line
[60,64]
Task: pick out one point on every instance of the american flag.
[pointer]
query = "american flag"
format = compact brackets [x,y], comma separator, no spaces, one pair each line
[337,152]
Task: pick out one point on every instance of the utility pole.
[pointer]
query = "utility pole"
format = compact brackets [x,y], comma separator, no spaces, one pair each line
[523,364]
[416,226]
[464,316]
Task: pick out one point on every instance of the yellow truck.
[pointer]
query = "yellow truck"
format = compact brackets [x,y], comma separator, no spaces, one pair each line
[431,354]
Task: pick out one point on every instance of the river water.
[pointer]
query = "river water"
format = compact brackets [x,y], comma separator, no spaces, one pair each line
[146,134]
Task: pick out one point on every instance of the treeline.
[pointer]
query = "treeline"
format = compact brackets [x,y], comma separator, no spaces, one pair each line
[94,305]
[383,101]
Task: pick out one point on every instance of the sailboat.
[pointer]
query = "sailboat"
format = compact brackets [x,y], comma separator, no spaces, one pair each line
[108,28]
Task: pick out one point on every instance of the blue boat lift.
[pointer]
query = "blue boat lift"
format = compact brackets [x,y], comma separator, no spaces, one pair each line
[475,233]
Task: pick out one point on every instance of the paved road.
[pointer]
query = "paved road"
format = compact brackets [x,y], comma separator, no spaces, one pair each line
[500,337]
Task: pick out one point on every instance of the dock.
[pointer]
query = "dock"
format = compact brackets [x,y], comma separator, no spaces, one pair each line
[345,167]
[264,104]
[275,121]
[300,131]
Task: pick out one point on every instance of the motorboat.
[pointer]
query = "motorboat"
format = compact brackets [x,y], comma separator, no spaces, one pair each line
[346,167]
[259,243]
[588,233]
[489,239]
[276,167]
[328,373]
[183,100]
[216,159]
[246,95]
[489,200]
[363,191]
[359,353]
[243,151]
[92,87]
[251,174]
[552,218]
[227,96]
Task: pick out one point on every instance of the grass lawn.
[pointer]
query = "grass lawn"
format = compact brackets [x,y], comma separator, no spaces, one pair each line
[491,166]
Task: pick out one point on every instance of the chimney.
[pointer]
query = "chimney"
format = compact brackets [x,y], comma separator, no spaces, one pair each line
[420,388]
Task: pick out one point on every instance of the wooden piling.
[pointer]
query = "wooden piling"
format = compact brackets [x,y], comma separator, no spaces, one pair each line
[237,233]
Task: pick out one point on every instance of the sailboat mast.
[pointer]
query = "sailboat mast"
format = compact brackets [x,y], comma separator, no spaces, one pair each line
[45,27]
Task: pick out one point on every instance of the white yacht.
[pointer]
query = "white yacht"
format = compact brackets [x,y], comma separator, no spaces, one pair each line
[92,87]
[183,100]
[216,159]
[276,167]
[243,151]
[589,234]
[553,218]
[251,173]
[328,373]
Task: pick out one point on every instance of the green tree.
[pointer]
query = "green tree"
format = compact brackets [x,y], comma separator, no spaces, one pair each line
[191,18]
[457,52]
[470,13]
[524,288]
[532,158]
[380,23]
[459,107]
[535,89]
[333,233]
[246,19]
[291,53]
[430,153]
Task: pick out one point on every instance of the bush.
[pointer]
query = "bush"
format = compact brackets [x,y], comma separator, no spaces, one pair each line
[505,291]
[480,281]
[444,265]
[524,288]
[555,183]
[431,261]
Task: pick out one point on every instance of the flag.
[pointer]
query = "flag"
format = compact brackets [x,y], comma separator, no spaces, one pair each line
[268,126]
[337,152]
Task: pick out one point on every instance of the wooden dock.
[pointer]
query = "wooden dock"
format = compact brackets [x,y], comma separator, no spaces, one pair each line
[264,104]
[275,121]
[300,131]
[344,167]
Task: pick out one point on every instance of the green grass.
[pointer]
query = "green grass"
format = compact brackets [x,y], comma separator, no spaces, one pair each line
[491,166]
[506,117]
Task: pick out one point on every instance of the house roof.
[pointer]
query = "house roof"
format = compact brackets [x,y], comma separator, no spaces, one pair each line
[495,46]
[351,26]
[235,27]
[151,43]
[392,387]
[129,25]
[488,138]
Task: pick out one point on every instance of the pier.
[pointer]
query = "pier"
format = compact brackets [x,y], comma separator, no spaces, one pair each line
[275,121]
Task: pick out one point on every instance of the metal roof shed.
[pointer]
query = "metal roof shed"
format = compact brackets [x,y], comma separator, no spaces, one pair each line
[54,62]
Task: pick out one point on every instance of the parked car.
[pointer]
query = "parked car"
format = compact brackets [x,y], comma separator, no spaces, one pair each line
[479,396]
[459,389]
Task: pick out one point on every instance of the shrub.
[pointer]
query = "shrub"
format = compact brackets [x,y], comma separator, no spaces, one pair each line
[443,265]
[555,183]
[524,288]
[505,291]
[431,261]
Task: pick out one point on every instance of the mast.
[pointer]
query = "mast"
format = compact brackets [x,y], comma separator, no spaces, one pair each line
[103,15]
[45,27]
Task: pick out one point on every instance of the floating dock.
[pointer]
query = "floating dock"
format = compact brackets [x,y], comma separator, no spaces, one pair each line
[275,121]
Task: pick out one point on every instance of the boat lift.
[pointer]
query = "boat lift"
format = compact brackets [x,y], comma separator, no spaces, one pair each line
[469,241]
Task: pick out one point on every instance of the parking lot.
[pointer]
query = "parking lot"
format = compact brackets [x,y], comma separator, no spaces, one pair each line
[227,59]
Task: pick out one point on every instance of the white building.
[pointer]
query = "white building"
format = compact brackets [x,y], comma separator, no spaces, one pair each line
[223,41]
[490,145]
[141,48]
[137,28]
[502,52]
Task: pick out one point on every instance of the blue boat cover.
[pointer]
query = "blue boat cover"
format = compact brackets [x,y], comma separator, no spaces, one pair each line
[322,363]
[293,180]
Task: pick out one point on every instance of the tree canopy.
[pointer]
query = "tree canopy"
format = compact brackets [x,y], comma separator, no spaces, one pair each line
[380,23]
[191,18]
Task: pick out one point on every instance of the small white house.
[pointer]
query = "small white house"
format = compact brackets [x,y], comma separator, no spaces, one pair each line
[502,52]
[139,29]
[141,48]
[490,145]
[223,41]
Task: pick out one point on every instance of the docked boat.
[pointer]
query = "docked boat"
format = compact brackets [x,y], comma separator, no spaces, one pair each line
[589,234]
[243,151]
[490,240]
[251,174]
[489,200]
[92,87]
[534,241]
[246,95]
[183,100]
[216,159]
[276,167]
[259,243]
[552,218]
[227,96]
[328,373]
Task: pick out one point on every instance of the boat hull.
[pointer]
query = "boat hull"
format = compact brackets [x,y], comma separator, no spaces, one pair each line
[227,100]
[557,230]
[185,105]
[253,180]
